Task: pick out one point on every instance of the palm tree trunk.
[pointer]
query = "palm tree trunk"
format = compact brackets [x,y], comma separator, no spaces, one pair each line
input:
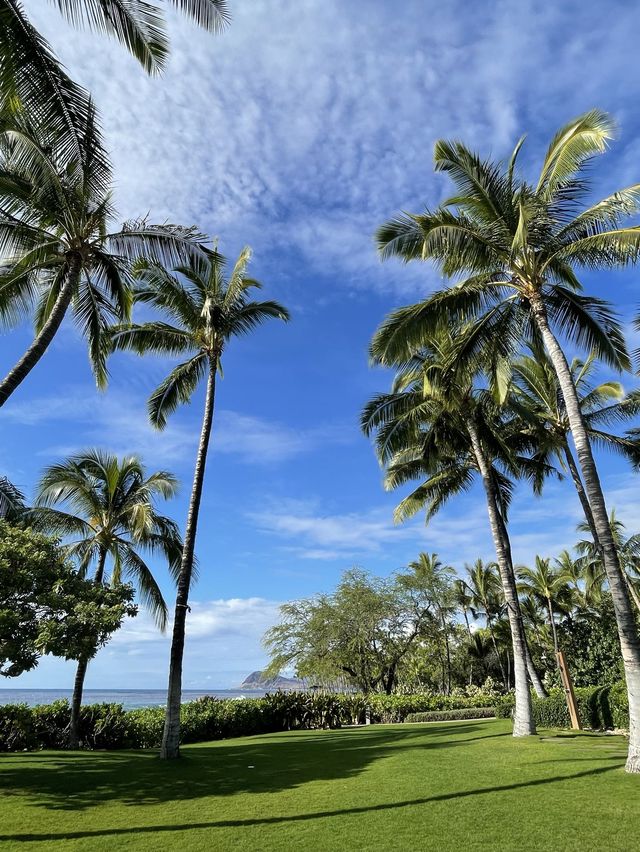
[629,640]
[536,681]
[34,353]
[523,724]
[171,736]
[81,671]
[582,494]
[552,624]
[497,653]
[448,652]
[534,677]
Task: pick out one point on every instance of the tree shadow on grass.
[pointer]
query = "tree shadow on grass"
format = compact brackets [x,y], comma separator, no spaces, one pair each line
[73,781]
[275,820]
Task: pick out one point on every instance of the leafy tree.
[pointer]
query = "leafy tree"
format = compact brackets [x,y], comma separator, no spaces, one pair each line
[56,244]
[46,607]
[591,641]
[205,310]
[514,248]
[109,513]
[448,437]
[364,630]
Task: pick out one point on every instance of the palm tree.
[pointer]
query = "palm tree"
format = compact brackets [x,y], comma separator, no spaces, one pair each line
[536,387]
[140,27]
[435,575]
[550,589]
[486,593]
[590,561]
[451,436]
[514,248]
[12,503]
[57,247]
[206,310]
[109,511]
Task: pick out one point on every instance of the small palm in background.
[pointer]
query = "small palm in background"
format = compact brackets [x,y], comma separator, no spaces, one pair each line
[108,517]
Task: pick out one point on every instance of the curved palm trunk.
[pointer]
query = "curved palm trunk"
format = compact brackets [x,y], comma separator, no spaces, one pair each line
[523,724]
[81,671]
[34,353]
[447,646]
[582,494]
[171,736]
[534,677]
[629,641]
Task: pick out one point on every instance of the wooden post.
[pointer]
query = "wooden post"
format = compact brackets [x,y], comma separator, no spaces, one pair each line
[569,694]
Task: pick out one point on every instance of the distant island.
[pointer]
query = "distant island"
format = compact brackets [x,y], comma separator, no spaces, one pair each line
[257,680]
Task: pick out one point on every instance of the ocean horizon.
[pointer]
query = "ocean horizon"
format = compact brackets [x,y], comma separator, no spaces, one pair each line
[131,699]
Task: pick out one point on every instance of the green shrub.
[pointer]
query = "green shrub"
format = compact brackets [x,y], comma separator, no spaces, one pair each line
[452,715]
[16,728]
[599,708]
[109,726]
[619,704]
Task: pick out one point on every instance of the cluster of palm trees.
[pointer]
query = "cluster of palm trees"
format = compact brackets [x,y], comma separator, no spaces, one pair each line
[483,385]
[61,254]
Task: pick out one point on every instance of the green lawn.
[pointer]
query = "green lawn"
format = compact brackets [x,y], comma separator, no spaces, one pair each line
[452,786]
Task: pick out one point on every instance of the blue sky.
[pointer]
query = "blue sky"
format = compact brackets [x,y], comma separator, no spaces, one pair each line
[299,131]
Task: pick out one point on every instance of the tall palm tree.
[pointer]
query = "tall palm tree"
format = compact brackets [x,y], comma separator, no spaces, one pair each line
[205,310]
[108,510]
[56,245]
[515,248]
[536,387]
[448,437]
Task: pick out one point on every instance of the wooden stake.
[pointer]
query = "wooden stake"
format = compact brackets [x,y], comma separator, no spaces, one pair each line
[569,694]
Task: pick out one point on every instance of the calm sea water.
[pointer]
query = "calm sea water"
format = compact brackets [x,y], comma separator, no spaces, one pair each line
[129,698]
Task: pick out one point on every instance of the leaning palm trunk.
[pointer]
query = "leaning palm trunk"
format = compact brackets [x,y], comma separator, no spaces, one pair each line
[534,677]
[523,724]
[73,740]
[629,642]
[34,353]
[171,735]
[582,494]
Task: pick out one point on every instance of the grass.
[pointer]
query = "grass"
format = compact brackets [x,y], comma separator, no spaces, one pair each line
[450,786]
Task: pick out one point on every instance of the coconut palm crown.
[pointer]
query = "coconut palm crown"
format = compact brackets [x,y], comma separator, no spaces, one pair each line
[58,247]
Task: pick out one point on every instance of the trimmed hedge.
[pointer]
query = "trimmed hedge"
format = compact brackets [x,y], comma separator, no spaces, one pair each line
[599,708]
[109,726]
[453,715]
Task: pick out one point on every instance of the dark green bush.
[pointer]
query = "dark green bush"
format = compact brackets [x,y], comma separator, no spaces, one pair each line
[599,708]
[619,704]
[453,715]
[109,726]
[16,728]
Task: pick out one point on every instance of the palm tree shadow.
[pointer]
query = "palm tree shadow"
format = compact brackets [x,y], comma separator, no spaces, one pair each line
[73,781]
[257,821]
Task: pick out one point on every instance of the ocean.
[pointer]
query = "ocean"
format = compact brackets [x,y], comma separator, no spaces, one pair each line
[131,699]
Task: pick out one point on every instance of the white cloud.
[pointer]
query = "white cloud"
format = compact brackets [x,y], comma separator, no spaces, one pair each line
[223,646]
[118,421]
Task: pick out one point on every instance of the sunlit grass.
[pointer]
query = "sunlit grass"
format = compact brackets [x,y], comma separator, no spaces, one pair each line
[464,785]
